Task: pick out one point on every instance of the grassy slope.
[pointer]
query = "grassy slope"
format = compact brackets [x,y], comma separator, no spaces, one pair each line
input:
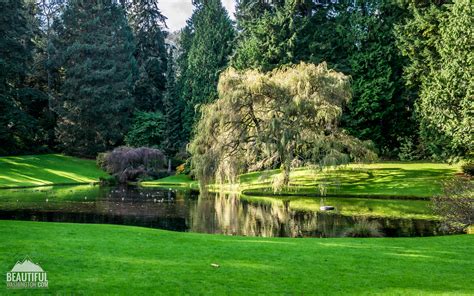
[178,181]
[379,179]
[99,259]
[39,170]
[390,179]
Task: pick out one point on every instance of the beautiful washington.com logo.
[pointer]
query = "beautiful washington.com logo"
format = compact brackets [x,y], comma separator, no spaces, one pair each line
[27,275]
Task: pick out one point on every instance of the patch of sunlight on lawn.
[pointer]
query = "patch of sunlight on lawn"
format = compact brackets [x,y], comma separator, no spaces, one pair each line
[10,161]
[9,179]
[409,255]
[247,265]
[29,179]
[257,242]
[361,245]
[71,176]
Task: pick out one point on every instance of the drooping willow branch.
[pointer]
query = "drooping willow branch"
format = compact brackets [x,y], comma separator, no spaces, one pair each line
[284,118]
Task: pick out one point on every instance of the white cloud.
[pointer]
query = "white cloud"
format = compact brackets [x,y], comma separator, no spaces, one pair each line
[178,11]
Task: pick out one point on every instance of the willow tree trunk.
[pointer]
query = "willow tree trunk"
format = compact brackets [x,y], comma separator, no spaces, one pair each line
[285,168]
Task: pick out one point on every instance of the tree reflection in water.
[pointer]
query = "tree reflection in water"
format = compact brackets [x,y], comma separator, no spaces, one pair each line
[228,214]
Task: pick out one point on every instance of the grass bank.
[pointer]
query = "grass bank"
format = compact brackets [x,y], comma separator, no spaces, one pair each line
[109,259]
[47,169]
[409,180]
[383,180]
[178,181]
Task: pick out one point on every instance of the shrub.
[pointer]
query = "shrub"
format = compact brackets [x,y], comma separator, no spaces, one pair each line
[180,169]
[456,205]
[364,228]
[468,168]
[130,164]
[182,162]
[411,149]
[107,181]
[100,159]
[184,168]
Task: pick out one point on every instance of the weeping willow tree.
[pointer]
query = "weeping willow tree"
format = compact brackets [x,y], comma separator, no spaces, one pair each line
[284,119]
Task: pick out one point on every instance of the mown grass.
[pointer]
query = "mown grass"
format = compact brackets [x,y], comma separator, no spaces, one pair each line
[177,181]
[387,179]
[47,197]
[107,259]
[47,169]
[391,179]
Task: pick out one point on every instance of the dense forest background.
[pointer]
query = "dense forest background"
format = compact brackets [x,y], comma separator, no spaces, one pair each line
[84,76]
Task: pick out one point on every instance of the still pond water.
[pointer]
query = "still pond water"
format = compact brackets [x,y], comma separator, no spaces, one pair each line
[212,213]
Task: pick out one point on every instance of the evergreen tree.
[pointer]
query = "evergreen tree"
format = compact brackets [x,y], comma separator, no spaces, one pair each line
[417,38]
[353,37]
[446,105]
[19,130]
[99,71]
[248,11]
[437,40]
[45,76]
[268,39]
[326,34]
[173,109]
[148,25]
[183,76]
[380,109]
[147,130]
[212,34]
[47,70]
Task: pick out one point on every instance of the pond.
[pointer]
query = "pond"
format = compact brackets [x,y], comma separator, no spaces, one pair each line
[215,213]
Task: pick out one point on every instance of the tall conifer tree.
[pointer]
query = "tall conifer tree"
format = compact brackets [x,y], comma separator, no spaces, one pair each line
[381,108]
[438,40]
[212,35]
[173,106]
[18,129]
[353,37]
[148,24]
[99,70]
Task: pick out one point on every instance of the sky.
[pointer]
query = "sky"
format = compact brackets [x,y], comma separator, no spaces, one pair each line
[178,11]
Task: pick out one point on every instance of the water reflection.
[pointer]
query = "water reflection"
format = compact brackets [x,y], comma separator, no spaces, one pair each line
[188,211]
[230,215]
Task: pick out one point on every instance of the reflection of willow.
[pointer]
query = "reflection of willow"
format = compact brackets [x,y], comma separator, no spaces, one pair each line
[231,215]
[227,214]
[262,219]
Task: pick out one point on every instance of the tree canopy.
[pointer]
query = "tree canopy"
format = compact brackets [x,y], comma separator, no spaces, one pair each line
[99,70]
[281,119]
[82,76]
[206,50]
[438,41]
[148,25]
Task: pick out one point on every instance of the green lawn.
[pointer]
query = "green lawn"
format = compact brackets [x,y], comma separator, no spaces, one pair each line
[178,181]
[383,180]
[47,169]
[60,198]
[109,259]
[391,179]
